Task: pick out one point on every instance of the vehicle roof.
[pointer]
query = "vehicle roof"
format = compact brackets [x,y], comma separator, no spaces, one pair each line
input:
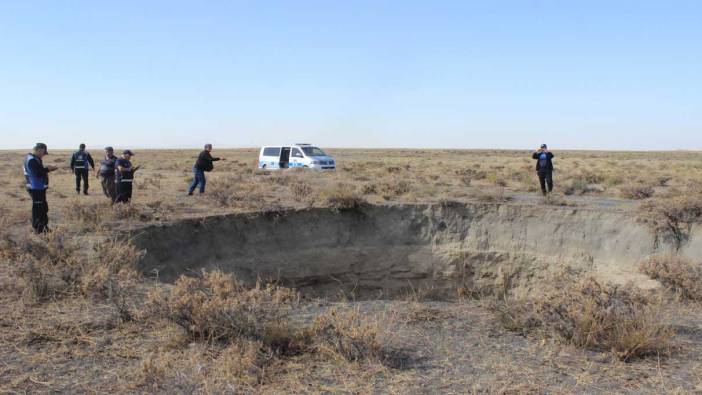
[289,145]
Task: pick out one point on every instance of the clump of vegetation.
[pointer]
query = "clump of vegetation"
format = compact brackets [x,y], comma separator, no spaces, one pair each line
[391,189]
[636,191]
[56,264]
[214,307]
[591,315]
[301,190]
[347,335]
[676,272]
[671,218]
[342,197]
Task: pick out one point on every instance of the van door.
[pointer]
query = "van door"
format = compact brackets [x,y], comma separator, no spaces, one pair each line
[285,157]
[296,158]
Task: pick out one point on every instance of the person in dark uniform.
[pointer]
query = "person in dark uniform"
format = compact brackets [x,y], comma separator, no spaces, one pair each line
[80,161]
[544,168]
[106,174]
[37,176]
[202,165]
[124,177]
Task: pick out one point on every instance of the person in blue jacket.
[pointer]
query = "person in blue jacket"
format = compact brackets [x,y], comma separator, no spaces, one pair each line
[37,177]
[544,168]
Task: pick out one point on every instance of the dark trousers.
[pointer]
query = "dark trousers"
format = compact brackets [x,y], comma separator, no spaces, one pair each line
[124,192]
[108,186]
[198,179]
[82,173]
[40,210]
[546,179]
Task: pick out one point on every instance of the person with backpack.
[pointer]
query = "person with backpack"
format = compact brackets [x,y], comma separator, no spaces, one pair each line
[80,161]
[544,168]
[202,165]
[37,178]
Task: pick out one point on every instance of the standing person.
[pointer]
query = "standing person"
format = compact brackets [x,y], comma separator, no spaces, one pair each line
[106,173]
[124,177]
[202,165]
[544,168]
[37,177]
[80,161]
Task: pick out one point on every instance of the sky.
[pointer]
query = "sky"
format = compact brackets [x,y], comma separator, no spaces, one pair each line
[590,74]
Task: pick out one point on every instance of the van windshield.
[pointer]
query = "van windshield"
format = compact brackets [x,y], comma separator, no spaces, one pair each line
[313,151]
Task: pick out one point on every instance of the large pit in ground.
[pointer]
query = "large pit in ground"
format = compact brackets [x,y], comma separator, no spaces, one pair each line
[376,251]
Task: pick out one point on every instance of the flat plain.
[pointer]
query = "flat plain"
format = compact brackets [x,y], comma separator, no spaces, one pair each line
[595,289]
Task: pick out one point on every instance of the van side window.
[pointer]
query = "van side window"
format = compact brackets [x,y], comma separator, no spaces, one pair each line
[271,151]
[296,153]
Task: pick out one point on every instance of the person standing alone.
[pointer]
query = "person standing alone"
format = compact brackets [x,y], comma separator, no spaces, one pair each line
[124,177]
[202,165]
[106,173]
[80,161]
[37,177]
[544,168]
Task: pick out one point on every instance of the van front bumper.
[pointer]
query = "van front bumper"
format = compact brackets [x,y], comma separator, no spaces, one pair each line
[323,167]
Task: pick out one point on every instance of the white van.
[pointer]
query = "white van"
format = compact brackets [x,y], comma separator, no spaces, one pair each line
[295,155]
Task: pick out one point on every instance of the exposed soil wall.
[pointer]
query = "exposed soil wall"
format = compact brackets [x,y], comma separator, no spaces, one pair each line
[384,250]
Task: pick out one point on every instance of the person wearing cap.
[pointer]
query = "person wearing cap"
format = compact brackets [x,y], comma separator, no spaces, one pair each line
[80,161]
[202,165]
[106,174]
[37,177]
[124,177]
[544,168]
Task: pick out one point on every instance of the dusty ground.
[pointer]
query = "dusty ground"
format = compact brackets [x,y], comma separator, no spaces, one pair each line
[72,343]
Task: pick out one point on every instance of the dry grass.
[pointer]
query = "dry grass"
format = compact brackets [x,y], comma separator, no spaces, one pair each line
[80,326]
[341,196]
[677,273]
[214,307]
[590,315]
[57,265]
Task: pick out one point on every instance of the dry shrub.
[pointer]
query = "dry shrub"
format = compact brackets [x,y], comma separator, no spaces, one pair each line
[215,307]
[369,188]
[636,191]
[45,262]
[394,188]
[255,325]
[676,272]
[590,315]
[349,335]
[301,190]
[671,219]
[466,176]
[342,197]
[56,264]
[111,271]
